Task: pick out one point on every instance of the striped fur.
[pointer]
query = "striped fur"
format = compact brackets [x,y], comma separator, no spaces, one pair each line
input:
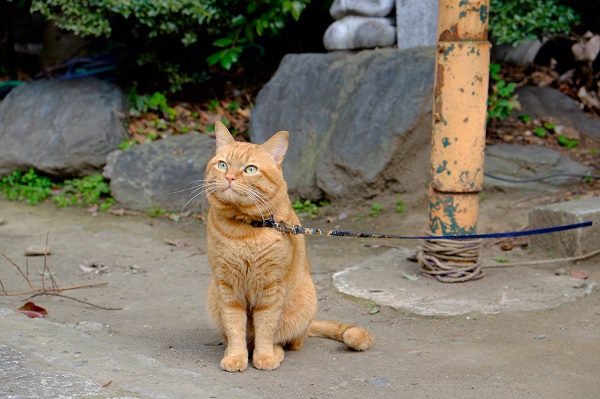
[261,295]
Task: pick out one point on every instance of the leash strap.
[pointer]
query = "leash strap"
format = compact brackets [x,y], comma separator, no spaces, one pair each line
[296,229]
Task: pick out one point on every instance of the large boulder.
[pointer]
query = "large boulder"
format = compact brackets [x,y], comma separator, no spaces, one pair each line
[61,128]
[359,123]
[162,174]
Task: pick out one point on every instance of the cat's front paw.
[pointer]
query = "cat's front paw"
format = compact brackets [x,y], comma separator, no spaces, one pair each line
[234,363]
[266,362]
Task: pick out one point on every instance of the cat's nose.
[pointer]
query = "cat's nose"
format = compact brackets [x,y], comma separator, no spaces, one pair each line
[230,177]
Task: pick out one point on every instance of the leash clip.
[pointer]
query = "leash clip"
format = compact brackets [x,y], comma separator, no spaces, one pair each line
[282,227]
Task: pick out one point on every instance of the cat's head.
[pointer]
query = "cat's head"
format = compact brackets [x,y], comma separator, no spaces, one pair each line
[244,175]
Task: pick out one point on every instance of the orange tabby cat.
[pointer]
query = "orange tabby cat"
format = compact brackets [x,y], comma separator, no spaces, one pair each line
[261,295]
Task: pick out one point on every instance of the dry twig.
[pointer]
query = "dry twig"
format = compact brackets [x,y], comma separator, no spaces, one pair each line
[54,290]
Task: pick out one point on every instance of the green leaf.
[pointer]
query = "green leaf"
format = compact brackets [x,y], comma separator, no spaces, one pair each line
[251,7]
[223,42]
[565,142]
[215,58]
[525,118]
[540,131]
[296,9]
[238,20]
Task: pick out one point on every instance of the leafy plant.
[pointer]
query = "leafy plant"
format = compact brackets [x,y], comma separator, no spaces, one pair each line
[376,209]
[307,206]
[28,187]
[85,191]
[501,97]
[513,21]
[248,20]
[400,206]
[525,118]
[127,144]
[566,142]
[142,103]
[155,212]
[33,188]
[540,131]
[175,36]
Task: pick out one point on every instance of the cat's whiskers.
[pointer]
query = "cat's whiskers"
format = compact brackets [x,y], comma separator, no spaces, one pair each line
[189,188]
[201,191]
[270,206]
[257,202]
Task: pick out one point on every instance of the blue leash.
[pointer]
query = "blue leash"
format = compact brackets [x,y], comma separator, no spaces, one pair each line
[296,229]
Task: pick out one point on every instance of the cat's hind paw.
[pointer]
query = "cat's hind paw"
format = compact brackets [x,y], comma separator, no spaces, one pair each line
[234,363]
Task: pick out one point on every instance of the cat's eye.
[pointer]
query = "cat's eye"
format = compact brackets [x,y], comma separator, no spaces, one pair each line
[251,169]
[222,165]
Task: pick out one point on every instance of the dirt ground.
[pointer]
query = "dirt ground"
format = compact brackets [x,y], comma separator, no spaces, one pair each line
[161,287]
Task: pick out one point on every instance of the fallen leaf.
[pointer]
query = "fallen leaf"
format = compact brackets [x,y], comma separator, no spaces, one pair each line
[93,267]
[1,221]
[32,310]
[410,277]
[374,310]
[117,212]
[577,274]
[93,209]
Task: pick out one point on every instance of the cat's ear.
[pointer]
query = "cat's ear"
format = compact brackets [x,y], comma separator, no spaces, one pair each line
[277,145]
[224,138]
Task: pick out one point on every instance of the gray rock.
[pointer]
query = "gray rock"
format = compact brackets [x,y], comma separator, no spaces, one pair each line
[359,123]
[61,128]
[529,164]
[367,8]
[153,175]
[416,23]
[356,32]
[544,103]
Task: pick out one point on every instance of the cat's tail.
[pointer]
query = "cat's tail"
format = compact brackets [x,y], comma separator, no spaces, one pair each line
[355,337]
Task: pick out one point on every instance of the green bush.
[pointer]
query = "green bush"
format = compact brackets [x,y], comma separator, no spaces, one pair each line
[85,191]
[32,188]
[28,187]
[513,21]
[179,38]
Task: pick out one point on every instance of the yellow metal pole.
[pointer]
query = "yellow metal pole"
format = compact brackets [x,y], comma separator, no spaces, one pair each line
[459,116]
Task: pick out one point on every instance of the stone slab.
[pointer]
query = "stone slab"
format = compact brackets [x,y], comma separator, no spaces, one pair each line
[42,359]
[571,242]
[380,279]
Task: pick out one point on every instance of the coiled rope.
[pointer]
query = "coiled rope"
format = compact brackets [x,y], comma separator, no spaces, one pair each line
[451,260]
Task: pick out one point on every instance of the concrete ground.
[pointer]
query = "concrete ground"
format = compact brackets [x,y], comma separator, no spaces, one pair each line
[520,332]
